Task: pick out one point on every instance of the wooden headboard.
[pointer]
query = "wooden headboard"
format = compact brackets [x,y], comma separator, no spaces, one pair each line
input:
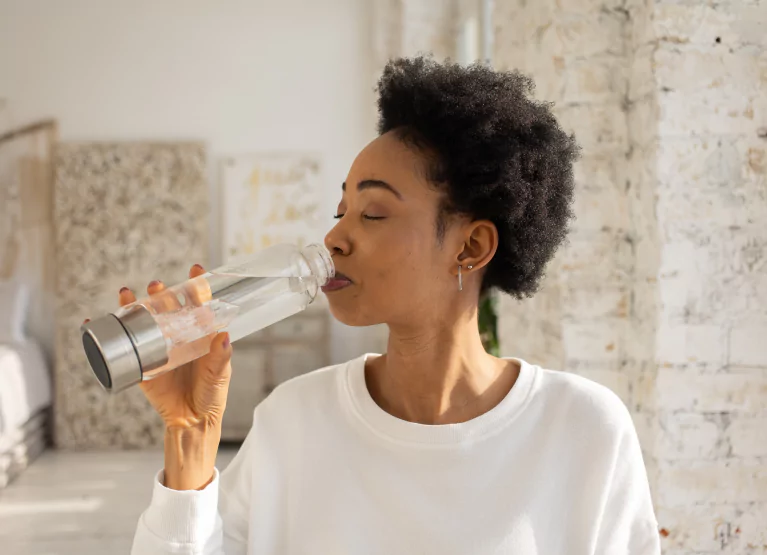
[26,221]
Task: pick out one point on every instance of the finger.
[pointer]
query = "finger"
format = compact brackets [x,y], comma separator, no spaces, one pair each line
[197,291]
[195,271]
[155,287]
[162,299]
[220,357]
[126,296]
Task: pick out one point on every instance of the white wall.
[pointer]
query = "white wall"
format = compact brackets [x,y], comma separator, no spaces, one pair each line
[242,76]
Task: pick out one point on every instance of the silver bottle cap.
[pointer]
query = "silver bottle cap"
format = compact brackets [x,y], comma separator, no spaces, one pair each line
[121,350]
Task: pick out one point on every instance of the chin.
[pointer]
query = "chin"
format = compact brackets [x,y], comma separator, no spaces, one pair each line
[351,313]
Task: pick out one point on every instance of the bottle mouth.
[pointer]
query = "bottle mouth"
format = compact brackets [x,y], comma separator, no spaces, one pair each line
[320,260]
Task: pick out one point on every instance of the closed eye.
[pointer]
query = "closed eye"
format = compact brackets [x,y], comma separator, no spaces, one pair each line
[339,216]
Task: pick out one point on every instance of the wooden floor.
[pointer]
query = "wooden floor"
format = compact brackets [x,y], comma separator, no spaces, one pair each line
[79,503]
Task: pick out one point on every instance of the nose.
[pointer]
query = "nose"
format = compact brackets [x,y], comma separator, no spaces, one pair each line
[337,240]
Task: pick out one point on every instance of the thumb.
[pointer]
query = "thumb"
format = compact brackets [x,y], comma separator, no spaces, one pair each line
[220,356]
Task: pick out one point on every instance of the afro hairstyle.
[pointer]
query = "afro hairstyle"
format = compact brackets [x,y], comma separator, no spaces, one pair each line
[495,153]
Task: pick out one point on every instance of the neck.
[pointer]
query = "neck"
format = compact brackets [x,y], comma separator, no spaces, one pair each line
[438,374]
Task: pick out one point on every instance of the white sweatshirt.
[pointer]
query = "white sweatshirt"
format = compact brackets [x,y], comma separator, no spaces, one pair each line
[554,468]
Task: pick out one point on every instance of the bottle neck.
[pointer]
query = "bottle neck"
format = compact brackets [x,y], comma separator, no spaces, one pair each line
[320,262]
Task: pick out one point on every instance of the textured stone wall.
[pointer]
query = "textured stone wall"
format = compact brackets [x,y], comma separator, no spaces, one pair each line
[662,292]
[125,213]
[640,185]
[710,70]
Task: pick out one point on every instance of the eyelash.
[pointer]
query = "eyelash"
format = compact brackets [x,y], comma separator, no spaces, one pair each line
[372,218]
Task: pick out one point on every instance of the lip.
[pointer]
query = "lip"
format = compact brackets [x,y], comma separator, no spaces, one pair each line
[336,283]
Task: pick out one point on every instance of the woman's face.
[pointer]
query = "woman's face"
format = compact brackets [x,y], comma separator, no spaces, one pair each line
[386,242]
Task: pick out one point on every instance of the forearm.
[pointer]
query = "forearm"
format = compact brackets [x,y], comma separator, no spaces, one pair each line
[190,457]
[182,520]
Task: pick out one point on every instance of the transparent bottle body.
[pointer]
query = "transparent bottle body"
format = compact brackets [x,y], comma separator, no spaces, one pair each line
[238,298]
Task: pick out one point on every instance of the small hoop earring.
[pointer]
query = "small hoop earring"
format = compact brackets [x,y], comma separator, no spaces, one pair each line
[460,279]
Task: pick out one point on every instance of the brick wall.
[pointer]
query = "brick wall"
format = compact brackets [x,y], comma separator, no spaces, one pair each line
[710,71]
[662,292]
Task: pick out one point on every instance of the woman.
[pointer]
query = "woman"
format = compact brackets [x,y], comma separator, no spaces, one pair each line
[436,446]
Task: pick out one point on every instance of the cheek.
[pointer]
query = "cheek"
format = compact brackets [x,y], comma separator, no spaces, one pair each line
[404,276]
[400,255]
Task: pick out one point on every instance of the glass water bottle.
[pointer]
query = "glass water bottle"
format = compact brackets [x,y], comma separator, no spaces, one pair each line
[163,331]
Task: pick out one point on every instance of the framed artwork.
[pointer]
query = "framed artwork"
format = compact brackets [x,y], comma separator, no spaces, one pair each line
[269,199]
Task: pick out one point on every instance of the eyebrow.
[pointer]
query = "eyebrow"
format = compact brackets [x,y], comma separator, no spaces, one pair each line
[374,184]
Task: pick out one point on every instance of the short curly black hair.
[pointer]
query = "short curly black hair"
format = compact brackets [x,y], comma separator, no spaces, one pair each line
[496,153]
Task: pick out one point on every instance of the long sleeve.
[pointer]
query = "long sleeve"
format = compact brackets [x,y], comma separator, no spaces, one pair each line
[628,524]
[212,521]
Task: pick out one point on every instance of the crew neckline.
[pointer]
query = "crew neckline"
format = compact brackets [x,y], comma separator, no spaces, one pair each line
[366,411]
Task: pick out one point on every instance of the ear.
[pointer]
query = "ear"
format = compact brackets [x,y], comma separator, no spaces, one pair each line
[480,244]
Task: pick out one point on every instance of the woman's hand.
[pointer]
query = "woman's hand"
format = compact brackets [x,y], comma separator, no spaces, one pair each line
[190,400]
[193,396]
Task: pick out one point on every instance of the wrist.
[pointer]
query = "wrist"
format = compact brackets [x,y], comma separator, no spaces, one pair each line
[190,457]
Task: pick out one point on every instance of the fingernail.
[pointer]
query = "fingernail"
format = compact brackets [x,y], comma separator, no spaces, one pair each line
[154,283]
[124,289]
[226,342]
[197,266]
[86,320]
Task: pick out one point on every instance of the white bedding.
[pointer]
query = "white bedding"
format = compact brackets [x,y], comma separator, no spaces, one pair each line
[25,389]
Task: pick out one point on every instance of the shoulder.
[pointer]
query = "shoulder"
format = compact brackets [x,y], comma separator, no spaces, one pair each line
[584,403]
[318,381]
[315,392]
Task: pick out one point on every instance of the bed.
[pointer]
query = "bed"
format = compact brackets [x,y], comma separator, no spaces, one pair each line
[27,279]
[25,396]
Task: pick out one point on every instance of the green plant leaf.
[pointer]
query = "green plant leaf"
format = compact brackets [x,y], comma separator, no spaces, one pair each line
[488,324]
